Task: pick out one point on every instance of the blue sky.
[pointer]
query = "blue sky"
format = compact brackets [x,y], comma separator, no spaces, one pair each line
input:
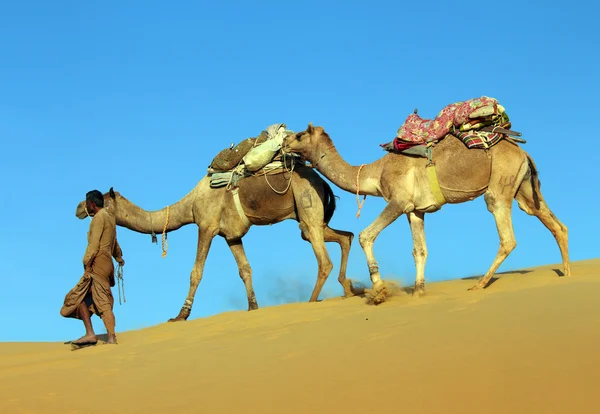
[142,96]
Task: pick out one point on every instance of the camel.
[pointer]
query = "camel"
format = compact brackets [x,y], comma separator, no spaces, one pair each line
[500,173]
[308,200]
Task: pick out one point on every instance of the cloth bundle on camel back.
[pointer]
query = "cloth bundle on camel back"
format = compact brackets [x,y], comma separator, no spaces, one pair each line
[260,155]
[479,123]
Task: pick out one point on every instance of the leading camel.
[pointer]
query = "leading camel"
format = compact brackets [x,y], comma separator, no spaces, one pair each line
[501,173]
[309,200]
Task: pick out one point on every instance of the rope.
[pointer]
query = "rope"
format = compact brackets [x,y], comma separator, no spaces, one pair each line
[86,210]
[121,283]
[164,236]
[291,170]
[358,190]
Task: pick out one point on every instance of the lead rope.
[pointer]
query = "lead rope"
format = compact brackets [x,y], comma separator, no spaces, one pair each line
[121,283]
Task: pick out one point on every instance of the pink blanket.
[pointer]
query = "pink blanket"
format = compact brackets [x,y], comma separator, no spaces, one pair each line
[417,130]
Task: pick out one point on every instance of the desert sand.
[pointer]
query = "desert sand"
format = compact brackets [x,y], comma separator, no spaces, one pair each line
[529,343]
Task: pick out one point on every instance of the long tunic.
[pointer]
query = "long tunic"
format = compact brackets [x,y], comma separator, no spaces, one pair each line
[94,286]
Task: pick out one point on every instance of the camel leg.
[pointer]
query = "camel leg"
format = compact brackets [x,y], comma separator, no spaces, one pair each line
[525,199]
[502,215]
[237,248]
[205,237]
[344,239]
[417,228]
[314,234]
[367,237]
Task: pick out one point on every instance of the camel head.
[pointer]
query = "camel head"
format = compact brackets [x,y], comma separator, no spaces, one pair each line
[110,204]
[307,142]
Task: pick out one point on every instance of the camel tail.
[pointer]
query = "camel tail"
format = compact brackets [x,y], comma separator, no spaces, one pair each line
[536,184]
[329,202]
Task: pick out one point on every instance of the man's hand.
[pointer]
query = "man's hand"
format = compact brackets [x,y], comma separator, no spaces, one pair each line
[120,261]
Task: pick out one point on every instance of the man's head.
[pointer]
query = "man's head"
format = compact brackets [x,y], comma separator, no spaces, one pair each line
[94,201]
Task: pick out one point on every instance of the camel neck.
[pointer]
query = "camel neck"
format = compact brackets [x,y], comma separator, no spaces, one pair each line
[348,177]
[135,218]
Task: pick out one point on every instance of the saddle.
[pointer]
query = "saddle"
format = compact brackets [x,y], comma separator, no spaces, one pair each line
[229,158]
[478,123]
[254,156]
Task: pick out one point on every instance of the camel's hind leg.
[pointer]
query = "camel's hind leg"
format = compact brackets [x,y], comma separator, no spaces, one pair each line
[344,239]
[314,234]
[531,201]
[499,198]
[502,215]
[237,248]
[205,237]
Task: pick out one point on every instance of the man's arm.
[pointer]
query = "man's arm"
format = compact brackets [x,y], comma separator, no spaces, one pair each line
[93,246]
[118,253]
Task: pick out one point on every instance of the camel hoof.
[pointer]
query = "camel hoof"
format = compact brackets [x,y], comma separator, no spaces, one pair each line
[419,292]
[349,291]
[353,289]
[379,294]
[178,319]
[476,287]
[252,306]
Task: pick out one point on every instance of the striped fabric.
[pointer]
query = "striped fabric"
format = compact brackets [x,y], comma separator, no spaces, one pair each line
[478,139]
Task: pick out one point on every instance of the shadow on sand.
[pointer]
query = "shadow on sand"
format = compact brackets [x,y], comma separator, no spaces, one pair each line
[494,278]
[100,338]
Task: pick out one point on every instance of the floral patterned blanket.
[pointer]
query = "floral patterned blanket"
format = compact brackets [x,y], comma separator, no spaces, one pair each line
[460,118]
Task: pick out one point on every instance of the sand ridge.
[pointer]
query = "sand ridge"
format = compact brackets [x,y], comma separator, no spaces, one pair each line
[529,343]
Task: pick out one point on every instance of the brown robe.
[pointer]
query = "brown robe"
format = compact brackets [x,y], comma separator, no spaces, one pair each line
[99,275]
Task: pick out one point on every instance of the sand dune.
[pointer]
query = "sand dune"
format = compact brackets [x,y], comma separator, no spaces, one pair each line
[530,343]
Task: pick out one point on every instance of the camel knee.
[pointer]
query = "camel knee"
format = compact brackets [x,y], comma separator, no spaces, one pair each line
[303,228]
[365,239]
[326,268]
[507,246]
[420,253]
[490,201]
[565,230]
[245,272]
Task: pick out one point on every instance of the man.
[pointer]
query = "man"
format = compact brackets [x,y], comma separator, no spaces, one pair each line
[92,294]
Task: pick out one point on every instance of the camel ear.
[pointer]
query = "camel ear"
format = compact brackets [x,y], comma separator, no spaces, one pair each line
[112,193]
[310,128]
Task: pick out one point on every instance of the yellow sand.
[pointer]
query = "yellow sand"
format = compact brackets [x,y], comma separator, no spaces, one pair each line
[530,343]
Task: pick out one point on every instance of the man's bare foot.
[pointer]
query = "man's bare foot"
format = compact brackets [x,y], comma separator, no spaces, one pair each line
[86,339]
[112,339]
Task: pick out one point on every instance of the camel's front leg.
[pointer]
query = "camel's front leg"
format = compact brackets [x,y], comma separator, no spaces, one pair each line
[344,239]
[417,228]
[205,237]
[237,248]
[367,237]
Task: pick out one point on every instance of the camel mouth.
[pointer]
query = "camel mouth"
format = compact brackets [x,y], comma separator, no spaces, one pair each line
[80,213]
